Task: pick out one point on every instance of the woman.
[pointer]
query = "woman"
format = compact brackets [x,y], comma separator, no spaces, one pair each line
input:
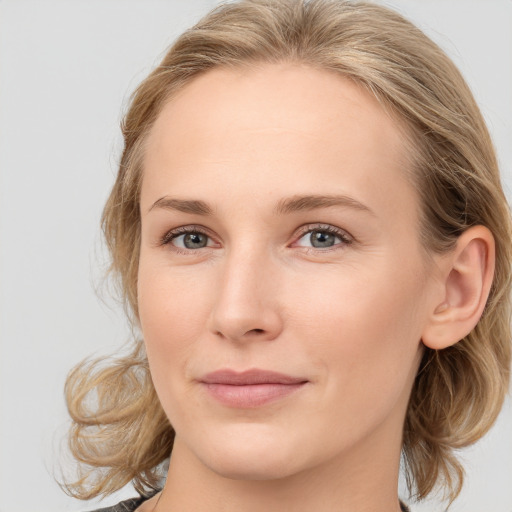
[310,231]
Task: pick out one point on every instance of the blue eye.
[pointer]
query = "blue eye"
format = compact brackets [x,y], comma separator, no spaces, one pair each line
[187,238]
[191,238]
[190,241]
[323,238]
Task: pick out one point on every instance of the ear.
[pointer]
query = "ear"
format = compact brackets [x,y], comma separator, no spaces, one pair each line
[467,273]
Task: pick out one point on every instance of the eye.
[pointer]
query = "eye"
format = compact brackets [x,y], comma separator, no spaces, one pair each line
[325,237]
[191,241]
[187,238]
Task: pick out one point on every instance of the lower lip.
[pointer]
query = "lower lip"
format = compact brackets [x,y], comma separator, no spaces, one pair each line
[251,395]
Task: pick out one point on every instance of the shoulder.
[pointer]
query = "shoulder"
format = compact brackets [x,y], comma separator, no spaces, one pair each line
[124,506]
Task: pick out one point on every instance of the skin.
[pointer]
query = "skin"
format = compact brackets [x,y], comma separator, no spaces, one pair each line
[348,318]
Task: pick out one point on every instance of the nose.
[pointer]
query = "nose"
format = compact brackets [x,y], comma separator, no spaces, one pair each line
[246,305]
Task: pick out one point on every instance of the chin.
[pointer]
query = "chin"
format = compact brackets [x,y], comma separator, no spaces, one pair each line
[250,454]
[251,467]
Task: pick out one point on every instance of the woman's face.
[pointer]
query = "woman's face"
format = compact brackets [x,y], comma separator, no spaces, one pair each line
[282,287]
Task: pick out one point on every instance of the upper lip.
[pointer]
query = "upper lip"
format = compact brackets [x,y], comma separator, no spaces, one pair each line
[248,377]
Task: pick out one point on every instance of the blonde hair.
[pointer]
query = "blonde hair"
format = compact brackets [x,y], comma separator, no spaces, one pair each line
[119,432]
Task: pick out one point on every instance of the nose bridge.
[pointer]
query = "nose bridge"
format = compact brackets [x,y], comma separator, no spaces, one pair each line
[245,305]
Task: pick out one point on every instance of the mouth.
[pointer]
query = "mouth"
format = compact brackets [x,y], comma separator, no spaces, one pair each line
[250,389]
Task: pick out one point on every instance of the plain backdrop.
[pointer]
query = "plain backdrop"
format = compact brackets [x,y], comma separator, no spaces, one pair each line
[67,68]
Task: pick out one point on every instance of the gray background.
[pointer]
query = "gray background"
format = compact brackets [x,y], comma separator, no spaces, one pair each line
[66,70]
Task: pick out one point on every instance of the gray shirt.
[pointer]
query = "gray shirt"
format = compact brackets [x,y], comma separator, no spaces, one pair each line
[131,505]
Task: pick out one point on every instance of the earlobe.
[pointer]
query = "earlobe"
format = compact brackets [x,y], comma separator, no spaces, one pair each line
[467,273]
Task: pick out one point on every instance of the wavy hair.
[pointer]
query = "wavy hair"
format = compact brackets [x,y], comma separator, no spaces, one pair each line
[120,432]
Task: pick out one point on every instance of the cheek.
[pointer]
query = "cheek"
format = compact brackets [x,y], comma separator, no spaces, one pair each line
[171,301]
[374,307]
[172,319]
[169,326]
[365,334]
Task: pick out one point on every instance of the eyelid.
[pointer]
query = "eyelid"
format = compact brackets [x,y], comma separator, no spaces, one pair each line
[170,235]
[345,237]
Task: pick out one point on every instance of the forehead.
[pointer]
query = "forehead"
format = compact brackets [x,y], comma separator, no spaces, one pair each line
[288,125]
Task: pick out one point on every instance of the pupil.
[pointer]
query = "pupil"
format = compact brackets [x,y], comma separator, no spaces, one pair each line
[194,240]
[322,239]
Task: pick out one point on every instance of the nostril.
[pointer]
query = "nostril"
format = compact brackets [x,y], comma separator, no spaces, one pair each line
[258,331]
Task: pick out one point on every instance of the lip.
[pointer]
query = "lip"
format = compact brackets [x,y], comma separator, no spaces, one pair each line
[251,388]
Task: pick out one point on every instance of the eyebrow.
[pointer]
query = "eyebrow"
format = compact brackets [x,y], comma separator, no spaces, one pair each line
[182,205]
[284,206]
[315,202]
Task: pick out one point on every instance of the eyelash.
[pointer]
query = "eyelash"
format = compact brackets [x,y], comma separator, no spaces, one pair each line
[324,228]
[184,230]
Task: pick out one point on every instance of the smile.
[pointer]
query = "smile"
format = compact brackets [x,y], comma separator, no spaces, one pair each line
[250,389]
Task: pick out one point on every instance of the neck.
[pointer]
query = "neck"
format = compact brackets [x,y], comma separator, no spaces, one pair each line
[366,480]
